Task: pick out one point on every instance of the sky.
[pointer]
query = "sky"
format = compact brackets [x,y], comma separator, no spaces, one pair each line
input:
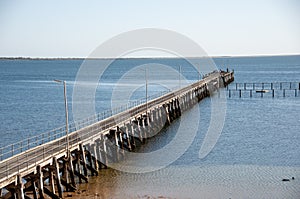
[74,28]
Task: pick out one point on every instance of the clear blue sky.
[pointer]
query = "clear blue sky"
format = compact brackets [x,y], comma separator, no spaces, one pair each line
[65,28]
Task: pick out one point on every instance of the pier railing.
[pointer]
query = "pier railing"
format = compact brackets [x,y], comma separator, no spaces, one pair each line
[42,154]
[34,141]
[281,89]
[43,147]
[39,153]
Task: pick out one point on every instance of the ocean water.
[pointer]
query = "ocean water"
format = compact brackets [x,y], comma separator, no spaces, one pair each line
[258,146]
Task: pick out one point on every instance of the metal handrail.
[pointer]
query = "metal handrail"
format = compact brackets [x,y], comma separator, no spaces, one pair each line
[56,146]
[31,142]
[42,152]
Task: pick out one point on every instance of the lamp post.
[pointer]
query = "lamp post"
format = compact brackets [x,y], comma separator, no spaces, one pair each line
[179,76]
[146,77]
[66,111]
[198,68]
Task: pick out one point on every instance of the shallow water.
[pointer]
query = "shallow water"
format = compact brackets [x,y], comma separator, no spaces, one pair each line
[223,181]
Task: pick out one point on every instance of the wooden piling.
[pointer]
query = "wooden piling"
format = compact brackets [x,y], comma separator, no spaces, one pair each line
[170,110]
[71,170]
[83,160]
[156,118]
[152,115]
[77,170]
[178,106]
[184,102]
[97,154]
[91,166]
[144,130]
[132,133]
[57,176]
[139,129]
[68,173]
[34,188]
[101,155]
[160,117]
[40,182]
[128,139]
[116,136]
[147,119]
[168,121]
[95,158]
[51,179]
[104,159]
[20,187]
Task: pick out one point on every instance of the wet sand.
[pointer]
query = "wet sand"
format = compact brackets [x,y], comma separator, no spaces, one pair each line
[238,181]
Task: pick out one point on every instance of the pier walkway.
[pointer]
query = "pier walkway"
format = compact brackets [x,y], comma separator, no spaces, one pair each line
[48,169]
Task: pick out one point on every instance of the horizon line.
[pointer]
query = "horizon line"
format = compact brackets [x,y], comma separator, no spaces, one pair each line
[150,57]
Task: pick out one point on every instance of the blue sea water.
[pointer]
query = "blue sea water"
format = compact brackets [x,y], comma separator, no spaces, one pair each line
[257,131]
[258,146]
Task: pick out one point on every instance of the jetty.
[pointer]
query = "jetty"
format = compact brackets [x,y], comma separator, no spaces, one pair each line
[56,163]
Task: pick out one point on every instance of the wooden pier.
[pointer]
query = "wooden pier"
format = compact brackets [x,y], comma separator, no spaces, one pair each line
[48,169]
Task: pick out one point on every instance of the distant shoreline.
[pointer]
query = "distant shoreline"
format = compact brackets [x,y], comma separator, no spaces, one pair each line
[81,58]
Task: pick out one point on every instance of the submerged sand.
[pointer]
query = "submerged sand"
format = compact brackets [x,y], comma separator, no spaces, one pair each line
[237,181]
